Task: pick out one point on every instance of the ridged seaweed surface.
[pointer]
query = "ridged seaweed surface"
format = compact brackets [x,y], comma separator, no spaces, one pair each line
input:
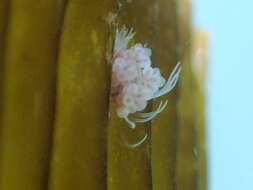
[164,126]
[187,158]
[4,6]
[79,148]
[58,128]
[29,93]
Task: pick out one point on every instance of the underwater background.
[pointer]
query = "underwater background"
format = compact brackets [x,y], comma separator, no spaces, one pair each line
[230,91]
[58,126]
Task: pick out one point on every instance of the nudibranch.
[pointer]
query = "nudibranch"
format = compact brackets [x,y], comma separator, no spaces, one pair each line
[135,82]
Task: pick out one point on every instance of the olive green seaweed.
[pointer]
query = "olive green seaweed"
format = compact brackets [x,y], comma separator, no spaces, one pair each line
[58,128]
[4,7]
[187,158]
[29,93]
[164,126]
[79,158]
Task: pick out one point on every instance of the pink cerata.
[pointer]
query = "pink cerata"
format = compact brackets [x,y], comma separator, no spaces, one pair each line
[135,82]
